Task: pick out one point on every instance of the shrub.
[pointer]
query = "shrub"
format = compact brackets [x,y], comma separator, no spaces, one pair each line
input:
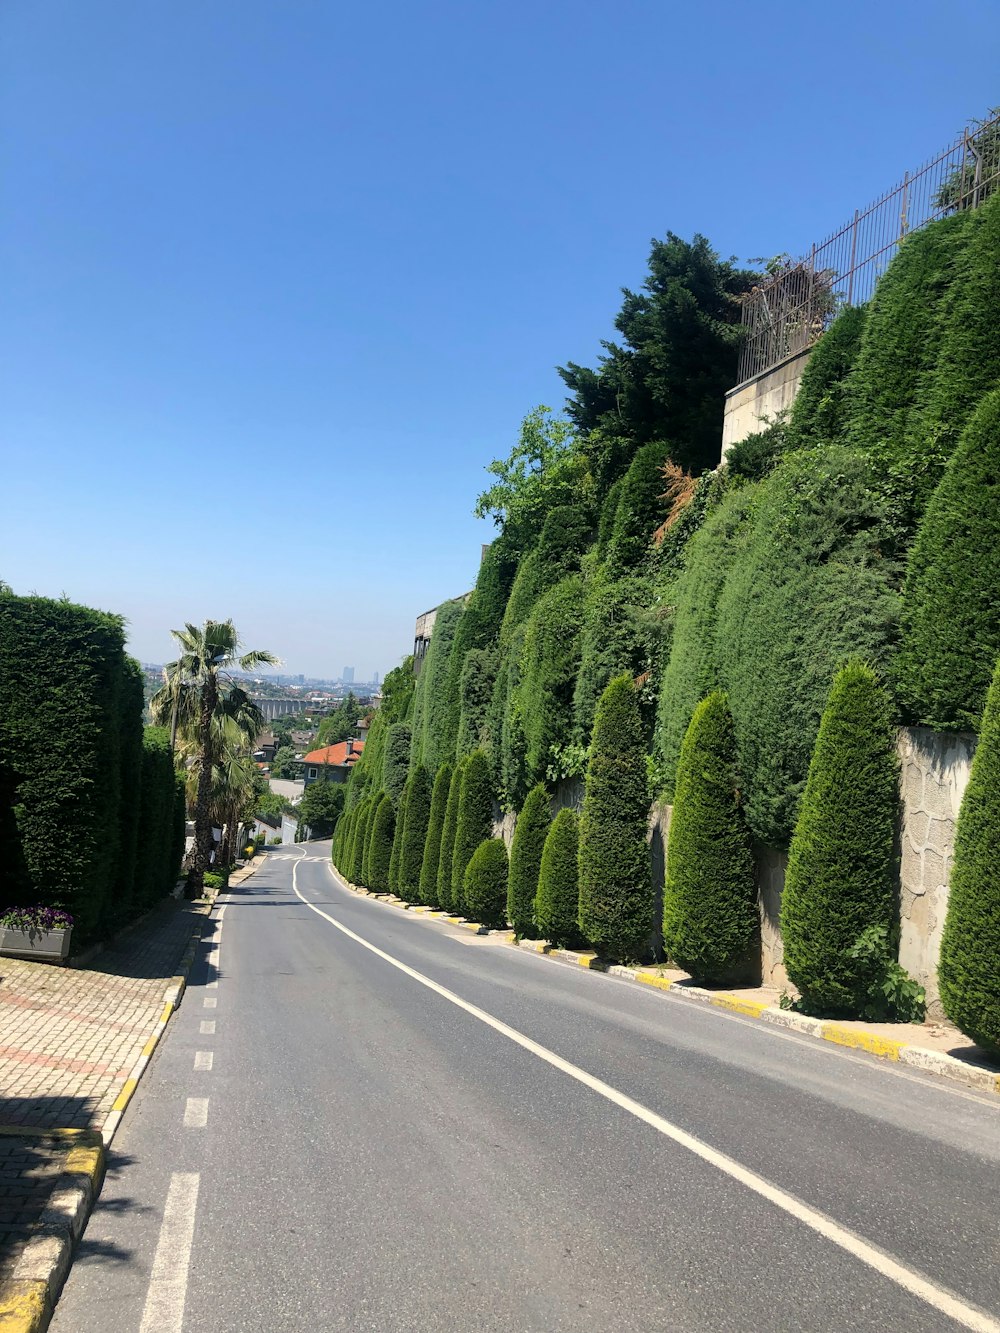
[639,510]
[757,455]
[158,863]
[369,836]
[616,895]
[526,859]
[484,884]
[968,972]
[839,881]
[397,760]
[617,637]
[557,902]
[506,724]
[951,613]
[397,843]
[476,685]
[432,844]
[475,820]
[710,918]
[380,855]
[411,849]
[563,540]
[808,588]
[692,665]
[357,852]
[819,414]
[448,831]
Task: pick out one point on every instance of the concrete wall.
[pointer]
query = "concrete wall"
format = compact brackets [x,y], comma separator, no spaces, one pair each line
[763,397]
[770,866]
[934,774]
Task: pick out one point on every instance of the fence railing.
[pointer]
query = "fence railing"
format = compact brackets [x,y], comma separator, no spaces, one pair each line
[792,306]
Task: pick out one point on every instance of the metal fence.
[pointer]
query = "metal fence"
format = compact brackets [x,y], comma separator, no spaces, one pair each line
[792,306]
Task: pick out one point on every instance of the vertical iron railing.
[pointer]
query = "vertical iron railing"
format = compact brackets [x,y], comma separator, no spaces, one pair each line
[792,306]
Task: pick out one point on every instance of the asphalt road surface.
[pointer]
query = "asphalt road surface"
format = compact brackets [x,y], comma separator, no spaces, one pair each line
[362,1119]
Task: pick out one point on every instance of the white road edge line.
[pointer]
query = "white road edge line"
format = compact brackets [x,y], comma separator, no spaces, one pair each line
[196,1113]
[167,1292]
[949,1304]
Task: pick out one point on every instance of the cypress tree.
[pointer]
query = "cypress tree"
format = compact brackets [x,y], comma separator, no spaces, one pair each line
[381,848]
[432,845]
[366,855]
[557,903]
[484,885]
[341,841]
[839,881]
[526,860]
[397,760]
[475,820]
[968,973]
[397,843]
[616,891]
[820,411]
[951,613]
[358,841]
[710,921]
[411,851]
[448,831]
[639,511]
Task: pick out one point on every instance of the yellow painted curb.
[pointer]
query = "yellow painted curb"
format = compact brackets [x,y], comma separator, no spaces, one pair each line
[24,1306]
[654,979]
[125,1096]
[589,960]
[864,1041]
[752,1008]
[86,1162]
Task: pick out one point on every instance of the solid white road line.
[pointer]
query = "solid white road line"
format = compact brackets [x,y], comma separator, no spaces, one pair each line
[203,1061]
[938,1297]
[164,1309]
[207,1028]
[196,1113]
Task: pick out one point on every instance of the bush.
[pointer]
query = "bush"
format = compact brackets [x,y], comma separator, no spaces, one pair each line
[840,878]
[365,811]
[951,613]
[382,839]
[321,806]
[616,894]
[757,455]
[475,820]
[411,849]
[476,685]
[968,973]
[159,859]
[373,799]
[617,637]
[484,885]
[526,860]
[809,587]
[432,843]
[563,540]
[397,843]
[448,831]
[557,902]
[710,921]
[820,412]
[397,760]
[639,511]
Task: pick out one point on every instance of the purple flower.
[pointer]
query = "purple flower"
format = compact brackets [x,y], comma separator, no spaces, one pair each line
[35,918]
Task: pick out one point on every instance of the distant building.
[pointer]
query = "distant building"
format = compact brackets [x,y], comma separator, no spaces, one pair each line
[348,676]
[375,679]
[331,763]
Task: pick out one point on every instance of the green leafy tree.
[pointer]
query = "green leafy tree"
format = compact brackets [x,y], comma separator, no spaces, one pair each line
[526,860]
[448,831]
[411,851]
[619,636]
[484,885]
[284,764]
[397,843]
[475,820]
[840,878]
[383,837]
[397,760]
[342,723]
[557,903]
[564,538]
[968,974]
[616,893]
[710,923]
[542,697]
[435,829]
[951,613]
[321,806]
[476,686]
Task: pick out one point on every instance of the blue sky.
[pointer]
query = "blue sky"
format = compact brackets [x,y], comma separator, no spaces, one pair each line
[282,276]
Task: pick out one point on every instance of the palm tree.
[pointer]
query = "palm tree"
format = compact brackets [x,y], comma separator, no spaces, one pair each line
[198,696]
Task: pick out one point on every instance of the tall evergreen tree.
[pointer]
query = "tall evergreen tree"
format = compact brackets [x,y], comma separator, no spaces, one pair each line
[397,843]
[526,860]
[475,820]
[411,851]
[381,848]
[432,845]
[448,831]
[557,903]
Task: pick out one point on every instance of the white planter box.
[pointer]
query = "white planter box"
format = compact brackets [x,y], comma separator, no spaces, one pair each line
[45,946]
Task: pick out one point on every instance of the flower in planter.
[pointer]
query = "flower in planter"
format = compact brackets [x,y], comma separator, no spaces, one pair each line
[35,918]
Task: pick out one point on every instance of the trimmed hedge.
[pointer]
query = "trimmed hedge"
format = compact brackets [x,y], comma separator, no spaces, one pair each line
[546,676]
[557,903]
[397,760]
[526,860]
[476,686]
[617,637]
[397,842]
[616,893]
[366,853]
[484,884]
[436,727]
[951,611]
[563,540]
[383,831]
[710,921]
[840,880]
[820,412]
[159,860]
[968,972]
[121,903]
[448,831]
[411,850]
[475,820]
[432,844]
[639,510]
[358,839]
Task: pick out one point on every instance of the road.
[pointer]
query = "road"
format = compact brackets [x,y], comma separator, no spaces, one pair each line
[362,1119]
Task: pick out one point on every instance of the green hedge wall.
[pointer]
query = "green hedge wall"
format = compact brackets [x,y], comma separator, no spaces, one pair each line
[397,760]
[159,857]
[557,903]
[450,827]
[820,413]
[383,832]
[639,510]
[475,820]
[710,921]
[951,611]
[526,860]
[616,894]
[476,685]
[432,845]
[543,697]
[617,637]
[436,725]
[397,843]
[968,972]
[484,885]
[411,850]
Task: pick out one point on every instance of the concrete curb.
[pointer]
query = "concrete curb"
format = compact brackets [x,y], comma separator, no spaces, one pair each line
[981,1079]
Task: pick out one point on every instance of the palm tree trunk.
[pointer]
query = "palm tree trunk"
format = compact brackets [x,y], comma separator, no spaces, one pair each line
[202,849]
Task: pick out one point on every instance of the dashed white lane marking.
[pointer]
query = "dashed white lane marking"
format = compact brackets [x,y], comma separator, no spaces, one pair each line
[196,1113]
[167,1292]
[207,1028]
[939,1298]
[203,1061]
[209,1002]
